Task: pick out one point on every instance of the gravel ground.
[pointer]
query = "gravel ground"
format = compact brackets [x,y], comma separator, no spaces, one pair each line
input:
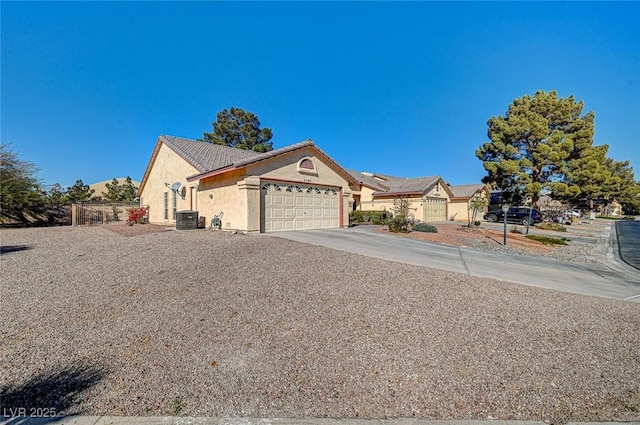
[210,324]
[487,239]
[575,251]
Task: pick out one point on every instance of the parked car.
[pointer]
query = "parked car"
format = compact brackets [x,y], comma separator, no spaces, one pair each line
[515,215]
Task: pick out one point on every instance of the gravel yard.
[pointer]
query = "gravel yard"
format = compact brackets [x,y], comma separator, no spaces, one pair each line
[210,324]
[487,239]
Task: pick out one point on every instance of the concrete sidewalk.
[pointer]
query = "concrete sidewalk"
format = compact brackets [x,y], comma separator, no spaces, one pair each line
[174,420]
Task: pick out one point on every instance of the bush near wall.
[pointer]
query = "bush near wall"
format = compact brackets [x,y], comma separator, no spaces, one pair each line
[369,217]
[424,227]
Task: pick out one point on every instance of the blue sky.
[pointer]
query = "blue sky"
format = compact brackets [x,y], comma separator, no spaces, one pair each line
[396,88]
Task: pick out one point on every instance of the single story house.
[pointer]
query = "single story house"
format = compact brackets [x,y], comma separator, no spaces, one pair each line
[459,204]
[428,196]
[293,188]
[296,187]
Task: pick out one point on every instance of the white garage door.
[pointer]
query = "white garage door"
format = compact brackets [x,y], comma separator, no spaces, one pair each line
[435,210]
[299,207]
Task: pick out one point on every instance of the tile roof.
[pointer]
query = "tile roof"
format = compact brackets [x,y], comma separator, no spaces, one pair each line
[465,191]
[210,158]
[410,185]
[270,154]
[368,180]
[205,156]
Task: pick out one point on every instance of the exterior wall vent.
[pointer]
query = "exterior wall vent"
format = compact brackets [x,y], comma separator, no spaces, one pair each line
[306,166]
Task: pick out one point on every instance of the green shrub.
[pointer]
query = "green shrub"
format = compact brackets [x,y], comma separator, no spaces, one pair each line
[424,227]
[399,224]
[550,225]
[547,240]
[369,217]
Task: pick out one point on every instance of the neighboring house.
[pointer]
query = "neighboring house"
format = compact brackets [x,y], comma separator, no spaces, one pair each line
[293,188]
[547,203]
[428,196]
[614,208]
[100,188]
[459,208]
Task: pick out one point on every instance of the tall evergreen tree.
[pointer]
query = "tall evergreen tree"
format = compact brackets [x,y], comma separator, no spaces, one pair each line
[530,144]
[239,129]
[56,195]
[129,191]
[79,192]
[114,191]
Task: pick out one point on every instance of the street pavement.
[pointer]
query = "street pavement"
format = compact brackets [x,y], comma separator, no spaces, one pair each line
[628,234]
[609,278]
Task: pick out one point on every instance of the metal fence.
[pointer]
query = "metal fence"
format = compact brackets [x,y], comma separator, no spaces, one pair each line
[91,214]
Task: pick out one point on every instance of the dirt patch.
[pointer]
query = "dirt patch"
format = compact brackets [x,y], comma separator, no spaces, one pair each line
[455,234]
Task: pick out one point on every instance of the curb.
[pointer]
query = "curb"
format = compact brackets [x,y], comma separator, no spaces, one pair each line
[173,420]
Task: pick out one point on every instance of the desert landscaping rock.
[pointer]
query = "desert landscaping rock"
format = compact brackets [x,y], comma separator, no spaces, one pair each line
[207,323]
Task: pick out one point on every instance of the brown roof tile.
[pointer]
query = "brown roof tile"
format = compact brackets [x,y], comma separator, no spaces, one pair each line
[205,156]
[466,190]
[368,180]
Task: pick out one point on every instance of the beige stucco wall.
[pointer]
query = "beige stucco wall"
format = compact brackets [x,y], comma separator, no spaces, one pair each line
[168,168]
[220,193]
[438,191]
[285,168]
[459,208]
[386,204]
[366,198]
[237,193]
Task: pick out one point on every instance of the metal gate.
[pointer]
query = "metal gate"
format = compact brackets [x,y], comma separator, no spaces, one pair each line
[88,214]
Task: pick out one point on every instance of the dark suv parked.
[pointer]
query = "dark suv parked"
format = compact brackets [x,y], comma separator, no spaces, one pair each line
[515,214]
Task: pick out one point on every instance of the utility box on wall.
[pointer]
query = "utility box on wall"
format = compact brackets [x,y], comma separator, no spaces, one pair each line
[186,220]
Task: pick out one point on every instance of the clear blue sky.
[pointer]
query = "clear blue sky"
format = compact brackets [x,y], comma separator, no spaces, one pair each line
[397,88]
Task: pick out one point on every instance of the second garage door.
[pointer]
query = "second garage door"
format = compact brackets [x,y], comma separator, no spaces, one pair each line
[299,207]
[435,210]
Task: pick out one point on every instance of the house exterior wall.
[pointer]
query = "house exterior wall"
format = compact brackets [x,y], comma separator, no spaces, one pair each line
[168,168]
[237,193]
[460,209]
[286,168]
[386,203]
[220,193]
[366,199]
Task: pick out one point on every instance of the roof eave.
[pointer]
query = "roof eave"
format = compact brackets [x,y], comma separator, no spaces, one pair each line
[145,176]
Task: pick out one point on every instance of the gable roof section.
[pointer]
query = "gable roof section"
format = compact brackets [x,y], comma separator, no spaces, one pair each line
[201,155]
[205,156]
[257,157]
[209,159]
[412,186]
[368,180]
[465,191]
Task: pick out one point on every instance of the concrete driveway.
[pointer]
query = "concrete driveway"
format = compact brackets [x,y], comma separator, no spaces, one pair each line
[608,279]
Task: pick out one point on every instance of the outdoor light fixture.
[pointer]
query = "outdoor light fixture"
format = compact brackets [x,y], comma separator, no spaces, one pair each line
[505,209]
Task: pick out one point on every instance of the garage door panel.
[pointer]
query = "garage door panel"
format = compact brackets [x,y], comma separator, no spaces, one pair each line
[299,207]
[435,210]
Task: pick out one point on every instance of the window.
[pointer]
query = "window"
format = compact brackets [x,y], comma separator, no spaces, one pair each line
[175,203]
[166,205]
